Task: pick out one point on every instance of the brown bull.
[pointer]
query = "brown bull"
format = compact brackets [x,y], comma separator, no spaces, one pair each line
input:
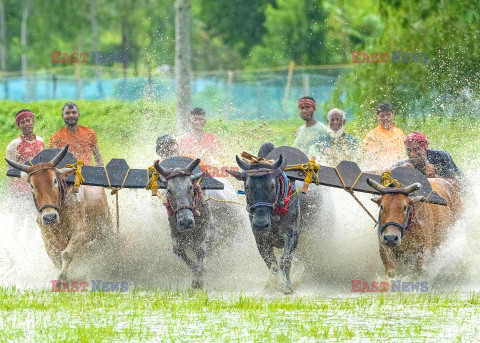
[409,230]
[67,220]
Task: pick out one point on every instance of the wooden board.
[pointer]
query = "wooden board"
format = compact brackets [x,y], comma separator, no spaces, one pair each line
[118,171]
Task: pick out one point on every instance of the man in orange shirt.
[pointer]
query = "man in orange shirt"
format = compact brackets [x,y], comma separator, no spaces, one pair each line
[384,144]
[82,141]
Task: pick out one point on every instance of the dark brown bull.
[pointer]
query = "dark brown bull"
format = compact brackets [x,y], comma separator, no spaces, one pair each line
[409,230]
[67,220]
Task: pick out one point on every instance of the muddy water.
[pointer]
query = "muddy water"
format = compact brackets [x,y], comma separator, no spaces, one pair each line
[339,245]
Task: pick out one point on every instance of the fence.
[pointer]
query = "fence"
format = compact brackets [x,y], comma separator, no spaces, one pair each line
[241,94]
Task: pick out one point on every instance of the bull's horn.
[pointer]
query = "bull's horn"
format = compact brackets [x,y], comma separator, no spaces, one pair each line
[56,160]
[16,165]
[412,188]
[242,164]
[277,163]
[192,165]
[375,185]
[160,169]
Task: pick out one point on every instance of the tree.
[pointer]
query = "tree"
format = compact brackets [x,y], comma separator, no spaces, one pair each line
[182,62]
[295,32]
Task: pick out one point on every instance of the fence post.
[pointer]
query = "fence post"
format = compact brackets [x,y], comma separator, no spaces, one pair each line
[306,84]
[54,79]
[291,66]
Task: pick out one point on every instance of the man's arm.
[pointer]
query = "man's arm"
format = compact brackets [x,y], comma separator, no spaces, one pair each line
[98,157]
[96,151]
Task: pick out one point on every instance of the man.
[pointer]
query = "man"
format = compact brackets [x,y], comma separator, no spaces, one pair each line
[82,141]
[307,133]
[384,144]
[23,149]
[431,163]
[167,146]
[199,143]
[335,145]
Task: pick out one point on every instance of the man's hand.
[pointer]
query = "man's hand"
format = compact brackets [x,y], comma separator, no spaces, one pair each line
[429,170]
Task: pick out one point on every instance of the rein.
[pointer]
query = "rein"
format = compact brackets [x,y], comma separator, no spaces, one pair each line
[410,220]
[282,197]
[62,187]
[197,198]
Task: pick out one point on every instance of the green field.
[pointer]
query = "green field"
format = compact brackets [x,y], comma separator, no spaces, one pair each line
[150,315]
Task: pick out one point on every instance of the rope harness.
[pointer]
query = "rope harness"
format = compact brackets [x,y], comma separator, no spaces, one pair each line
[282,197]
[115,191]
[62,188]
[79,180]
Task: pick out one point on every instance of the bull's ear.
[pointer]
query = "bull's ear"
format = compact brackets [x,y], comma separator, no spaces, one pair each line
[65,173]
[417,199]
[237,174]
[24,176]
[376,200]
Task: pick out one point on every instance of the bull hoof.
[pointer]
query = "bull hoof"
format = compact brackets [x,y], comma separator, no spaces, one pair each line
[391,273]
[287,289]
[197,284]
[63,277]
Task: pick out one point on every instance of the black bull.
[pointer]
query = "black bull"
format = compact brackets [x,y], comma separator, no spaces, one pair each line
[262,188]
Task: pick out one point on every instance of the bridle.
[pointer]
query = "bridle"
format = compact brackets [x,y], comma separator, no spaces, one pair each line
[409,220]
[197,196]
[62,187]
[280,193]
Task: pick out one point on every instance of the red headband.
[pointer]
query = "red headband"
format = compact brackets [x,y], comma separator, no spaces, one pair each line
[417,137]
[307,102]
[22,115]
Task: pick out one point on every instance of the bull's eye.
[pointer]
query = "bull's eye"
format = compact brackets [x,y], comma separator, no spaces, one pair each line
[55,181]
[191,186]
[404,208]
[381,207]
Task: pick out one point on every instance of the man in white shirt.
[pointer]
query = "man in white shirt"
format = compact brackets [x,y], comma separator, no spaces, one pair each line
[307,133]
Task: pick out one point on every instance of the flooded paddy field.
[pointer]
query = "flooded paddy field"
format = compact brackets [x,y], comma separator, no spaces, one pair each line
[40,315]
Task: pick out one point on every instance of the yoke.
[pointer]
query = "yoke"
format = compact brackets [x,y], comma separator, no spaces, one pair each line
[117,173]
[348,175]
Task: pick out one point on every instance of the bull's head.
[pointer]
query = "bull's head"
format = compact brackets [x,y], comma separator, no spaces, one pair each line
[395,211]
[48,186]
[181,184]
[260,183]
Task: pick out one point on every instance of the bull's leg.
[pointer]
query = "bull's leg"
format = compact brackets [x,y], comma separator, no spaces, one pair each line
[77,240]
[291,240]
[200,251]
[388,260]
[422,257]
[265,248]
[179,250]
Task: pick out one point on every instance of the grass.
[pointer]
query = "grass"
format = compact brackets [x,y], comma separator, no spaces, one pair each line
[146,315]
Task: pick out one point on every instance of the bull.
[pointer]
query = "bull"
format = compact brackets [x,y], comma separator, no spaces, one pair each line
[67,220]
[273,224]
[408,230]
[189,216]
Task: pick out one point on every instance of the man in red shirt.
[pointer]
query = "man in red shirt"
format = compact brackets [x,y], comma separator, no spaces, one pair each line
[82,141]
[23,149]
[199,143]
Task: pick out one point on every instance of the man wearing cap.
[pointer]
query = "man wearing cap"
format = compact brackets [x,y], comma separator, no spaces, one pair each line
[82,141]
[307,133]
[431,163]
[167,146]
[384,144]
[21,150]
[335,145]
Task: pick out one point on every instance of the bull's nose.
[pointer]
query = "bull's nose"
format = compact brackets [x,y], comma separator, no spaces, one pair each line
[50,218]
[262,226]
[390,240]
[187,223]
